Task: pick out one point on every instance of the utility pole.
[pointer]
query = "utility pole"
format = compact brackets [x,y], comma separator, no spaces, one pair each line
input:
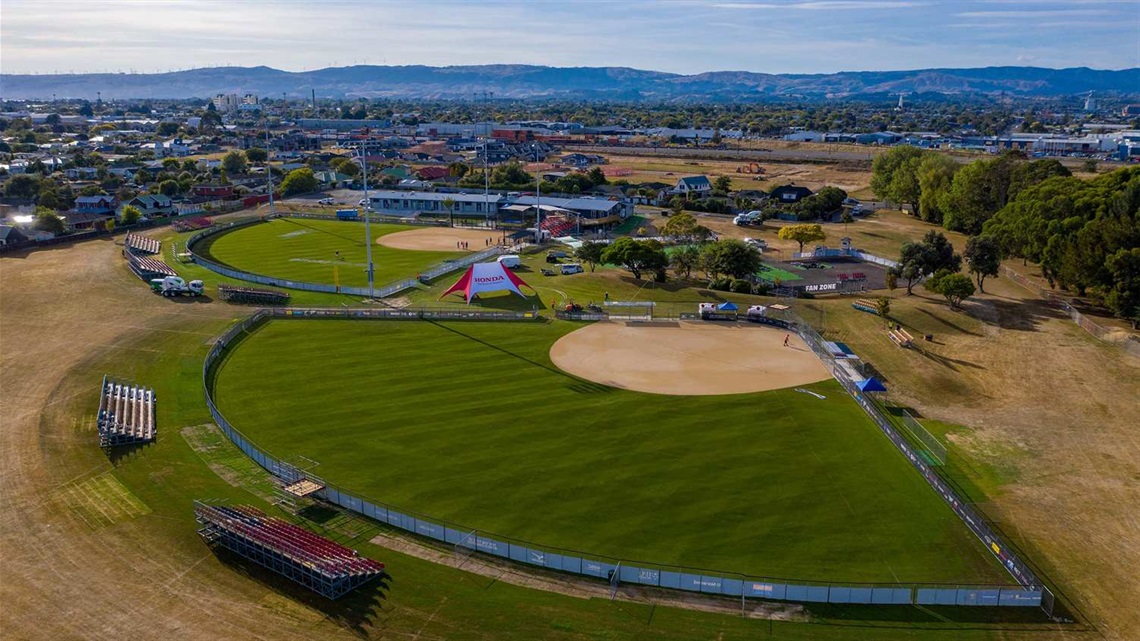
[367,220]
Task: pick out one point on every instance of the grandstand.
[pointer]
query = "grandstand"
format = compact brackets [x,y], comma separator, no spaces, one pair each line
[558,225]
[136,244]
[191,224]
[252,295]
[126,414]
[148,268]
[321,565]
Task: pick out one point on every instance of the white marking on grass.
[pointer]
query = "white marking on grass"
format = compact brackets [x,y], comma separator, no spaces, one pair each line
[294,234]
[807,391]
[317,261]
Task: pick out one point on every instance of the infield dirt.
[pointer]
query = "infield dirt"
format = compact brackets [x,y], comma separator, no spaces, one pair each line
[695,359]
[440,239]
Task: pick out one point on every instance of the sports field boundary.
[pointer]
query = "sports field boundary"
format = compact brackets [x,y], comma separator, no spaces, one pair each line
[640,573]
[384,291]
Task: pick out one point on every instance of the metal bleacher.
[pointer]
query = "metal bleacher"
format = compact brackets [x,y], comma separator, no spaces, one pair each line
[321,565]
[137,244]
[126,414]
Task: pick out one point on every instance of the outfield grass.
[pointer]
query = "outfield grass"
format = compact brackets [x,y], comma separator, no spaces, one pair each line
[306,250]
[473,424]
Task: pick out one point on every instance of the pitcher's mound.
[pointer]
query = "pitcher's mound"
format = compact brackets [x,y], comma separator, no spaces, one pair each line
[440,239]
[695,358]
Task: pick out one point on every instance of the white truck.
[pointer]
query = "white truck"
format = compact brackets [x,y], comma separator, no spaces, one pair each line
[171,286]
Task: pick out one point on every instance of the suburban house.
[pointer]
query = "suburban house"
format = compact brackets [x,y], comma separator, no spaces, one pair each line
[81,173]
[79,221]
[332,179]
[152,205]
[582,160]
[99,205]
[432,173]
[9,235]
[211,192]
[788,194]
[696,185]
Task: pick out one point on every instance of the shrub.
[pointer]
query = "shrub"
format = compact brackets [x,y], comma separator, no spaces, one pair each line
[721,284]
[741,286]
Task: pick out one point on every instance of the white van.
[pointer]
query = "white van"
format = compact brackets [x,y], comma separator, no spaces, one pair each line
[510,261]
[571,268]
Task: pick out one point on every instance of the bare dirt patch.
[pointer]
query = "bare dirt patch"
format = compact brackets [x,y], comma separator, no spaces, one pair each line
[692,359]
[440,239]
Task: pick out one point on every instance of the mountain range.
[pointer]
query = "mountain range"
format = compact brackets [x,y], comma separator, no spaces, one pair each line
[576,83]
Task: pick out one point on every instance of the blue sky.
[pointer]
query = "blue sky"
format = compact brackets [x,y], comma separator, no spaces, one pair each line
[683,36]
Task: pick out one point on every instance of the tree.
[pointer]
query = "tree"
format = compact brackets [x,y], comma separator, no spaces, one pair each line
[636,256]
[846,219]
[449,204]
[169,188]
[299,181]
[887,165]
[167,128]
[802,234]
[983,258]
[47,220]
[977,192]
[892,280]
[932,254]
[731,256]
[1089,166]
[129,215]
[684,260]
[109,225]
[234,163]
[457,169]
[590,253]
[597,176]
[1123,297]
[171,164]
[953,286]
[256,155]
[723,183]
[22,186]
[935,175]
[883,306]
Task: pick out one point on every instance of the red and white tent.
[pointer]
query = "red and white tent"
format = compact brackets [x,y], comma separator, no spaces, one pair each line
[487,277]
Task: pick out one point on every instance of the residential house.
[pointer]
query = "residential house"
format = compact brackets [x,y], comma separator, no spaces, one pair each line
[582,160]
[332,179]
[81,173]
[432,173]
[211,192]
[98,205]
[789,194]
[152,205]
[695,185]
[9,235]
[79,220]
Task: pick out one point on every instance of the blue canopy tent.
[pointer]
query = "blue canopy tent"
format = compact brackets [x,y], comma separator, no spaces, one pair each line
[870,385]
[727,306]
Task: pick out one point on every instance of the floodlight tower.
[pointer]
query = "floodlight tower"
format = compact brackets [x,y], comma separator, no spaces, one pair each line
[268,170]
[367,220]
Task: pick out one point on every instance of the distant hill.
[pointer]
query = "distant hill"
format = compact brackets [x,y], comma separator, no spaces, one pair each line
[601,83]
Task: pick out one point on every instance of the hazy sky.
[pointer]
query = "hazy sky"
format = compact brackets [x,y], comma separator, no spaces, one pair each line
[685,36]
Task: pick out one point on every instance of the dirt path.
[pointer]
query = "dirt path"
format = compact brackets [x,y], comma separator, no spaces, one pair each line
[584,588]
[691,359]
[61,576]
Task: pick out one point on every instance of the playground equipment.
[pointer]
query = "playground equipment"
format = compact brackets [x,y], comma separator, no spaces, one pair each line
[750,168]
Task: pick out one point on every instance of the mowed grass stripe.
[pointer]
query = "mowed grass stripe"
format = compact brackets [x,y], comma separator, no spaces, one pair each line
[470,422]
[306,250]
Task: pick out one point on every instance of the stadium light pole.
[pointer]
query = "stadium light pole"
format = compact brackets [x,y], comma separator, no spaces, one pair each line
[367,220]
[268,170]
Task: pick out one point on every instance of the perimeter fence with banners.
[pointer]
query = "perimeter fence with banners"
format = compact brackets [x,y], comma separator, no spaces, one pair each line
[1018,569]
[465,540]
[383,291]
